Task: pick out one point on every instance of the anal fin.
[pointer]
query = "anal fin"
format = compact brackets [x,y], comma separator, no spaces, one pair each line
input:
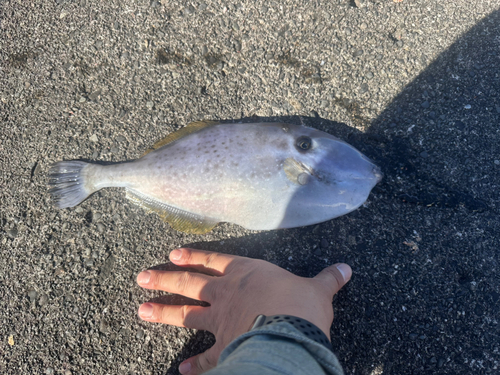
[178,219]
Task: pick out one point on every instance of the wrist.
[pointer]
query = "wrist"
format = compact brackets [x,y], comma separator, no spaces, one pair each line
[307,328]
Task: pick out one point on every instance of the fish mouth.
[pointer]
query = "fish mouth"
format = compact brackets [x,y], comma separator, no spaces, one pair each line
[377,172]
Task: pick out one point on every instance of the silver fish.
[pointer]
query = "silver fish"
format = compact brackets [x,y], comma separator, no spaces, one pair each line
[261,176]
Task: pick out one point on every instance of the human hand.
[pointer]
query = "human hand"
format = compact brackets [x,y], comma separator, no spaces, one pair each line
[238,290]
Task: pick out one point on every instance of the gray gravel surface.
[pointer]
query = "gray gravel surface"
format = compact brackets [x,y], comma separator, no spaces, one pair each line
[415,85]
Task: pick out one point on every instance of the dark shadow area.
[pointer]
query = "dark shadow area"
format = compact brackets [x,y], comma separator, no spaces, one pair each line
[425,290]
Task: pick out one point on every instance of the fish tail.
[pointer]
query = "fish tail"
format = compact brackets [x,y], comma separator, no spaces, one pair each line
[67,183]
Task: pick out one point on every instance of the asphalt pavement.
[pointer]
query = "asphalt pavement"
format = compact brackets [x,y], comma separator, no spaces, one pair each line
[414,84]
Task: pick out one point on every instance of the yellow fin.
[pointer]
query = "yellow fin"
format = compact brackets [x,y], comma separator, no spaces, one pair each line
[178,219]
[190,128]
[296,172]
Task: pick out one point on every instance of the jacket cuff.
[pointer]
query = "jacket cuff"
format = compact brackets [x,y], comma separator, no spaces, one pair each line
[320,353]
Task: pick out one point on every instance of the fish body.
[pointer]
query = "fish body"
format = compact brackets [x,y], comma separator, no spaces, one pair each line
[261,176]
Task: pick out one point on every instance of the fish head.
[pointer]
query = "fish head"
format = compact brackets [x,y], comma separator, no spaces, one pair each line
[331,178]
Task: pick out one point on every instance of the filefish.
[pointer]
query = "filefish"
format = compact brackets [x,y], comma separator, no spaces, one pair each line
[261,176]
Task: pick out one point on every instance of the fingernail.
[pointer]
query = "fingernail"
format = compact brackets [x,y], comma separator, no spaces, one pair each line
[184,367]
[176,254]
[144,277]
[345,270]
[146,310]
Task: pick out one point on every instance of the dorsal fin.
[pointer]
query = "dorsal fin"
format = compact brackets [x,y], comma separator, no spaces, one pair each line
[178,219]
[190,128]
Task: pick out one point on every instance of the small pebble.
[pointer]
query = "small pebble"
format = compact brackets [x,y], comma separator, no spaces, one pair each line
[369,75]
[360,3]
[12,233]
[413,336]
[43,300]
[324,243]
[237,46]
[124,332]
[95,95]
[467,106]
[425,104]
[140,334]
[358,53]
[497,162]
[103,326]
[32,294]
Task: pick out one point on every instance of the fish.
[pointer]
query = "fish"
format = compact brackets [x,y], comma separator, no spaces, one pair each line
[261,176]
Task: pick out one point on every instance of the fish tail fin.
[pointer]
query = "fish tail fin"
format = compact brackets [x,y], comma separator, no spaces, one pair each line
[67,182]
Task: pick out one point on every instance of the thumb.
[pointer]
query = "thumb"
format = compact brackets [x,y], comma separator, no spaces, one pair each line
[334,277]
[201,362]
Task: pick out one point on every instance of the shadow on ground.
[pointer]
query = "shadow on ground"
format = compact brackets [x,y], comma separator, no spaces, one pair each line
[424,297]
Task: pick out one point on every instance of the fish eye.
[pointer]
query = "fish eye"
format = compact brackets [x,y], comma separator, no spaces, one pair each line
[303,143]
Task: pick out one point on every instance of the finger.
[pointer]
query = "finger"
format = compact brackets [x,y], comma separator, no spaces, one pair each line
[201,362]
[204,261]
[334,277]
[188,316]
[189,284]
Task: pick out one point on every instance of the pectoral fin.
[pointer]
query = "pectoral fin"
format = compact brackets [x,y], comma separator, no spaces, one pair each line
[296,172]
